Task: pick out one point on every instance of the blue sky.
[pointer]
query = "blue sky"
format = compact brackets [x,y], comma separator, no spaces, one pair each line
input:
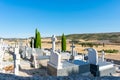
[20,18]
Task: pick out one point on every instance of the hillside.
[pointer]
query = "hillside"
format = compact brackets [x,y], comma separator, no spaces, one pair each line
[95,36]
[112,37]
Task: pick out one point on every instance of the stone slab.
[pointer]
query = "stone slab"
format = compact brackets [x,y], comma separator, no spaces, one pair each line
[68,69]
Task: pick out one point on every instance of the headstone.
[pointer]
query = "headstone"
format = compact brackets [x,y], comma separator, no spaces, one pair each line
[99,67]
[32,43]
[55,58]
[35,61]
[17,61]
[34,58]
[26,53]
[103,54]
[72,51]
[72,46]
[83,57]
[92,56]
[53,42]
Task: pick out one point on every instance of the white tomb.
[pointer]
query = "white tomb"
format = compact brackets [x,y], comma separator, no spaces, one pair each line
[99,67]
[17,61]
[55,57]
[34,58]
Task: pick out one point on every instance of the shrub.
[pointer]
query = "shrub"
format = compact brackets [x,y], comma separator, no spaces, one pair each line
[111,51]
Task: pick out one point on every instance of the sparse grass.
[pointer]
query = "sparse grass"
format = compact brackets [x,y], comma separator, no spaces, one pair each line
[110,51]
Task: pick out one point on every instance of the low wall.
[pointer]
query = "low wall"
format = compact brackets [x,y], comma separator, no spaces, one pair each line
[72,77]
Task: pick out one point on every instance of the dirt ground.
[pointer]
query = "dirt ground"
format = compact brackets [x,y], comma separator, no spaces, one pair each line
[80,49]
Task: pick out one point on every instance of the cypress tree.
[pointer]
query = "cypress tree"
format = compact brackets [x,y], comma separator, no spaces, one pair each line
[63,42]
[37,40]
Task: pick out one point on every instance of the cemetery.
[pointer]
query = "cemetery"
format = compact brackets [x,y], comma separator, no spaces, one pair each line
[31,61]
[78,40]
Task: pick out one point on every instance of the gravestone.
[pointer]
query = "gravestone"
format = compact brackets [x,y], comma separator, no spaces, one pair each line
[103,54]
[92,56]
[54,63]
[26,53]
[34,58]
[32,43]
[72,51]
[72,46]
[16,60]
[99,67]
[53,42]
[55,57]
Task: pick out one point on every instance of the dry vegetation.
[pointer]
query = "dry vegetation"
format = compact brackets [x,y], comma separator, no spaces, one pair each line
[116,56]
[46,43]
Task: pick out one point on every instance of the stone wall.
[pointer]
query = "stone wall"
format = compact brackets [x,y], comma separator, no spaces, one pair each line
[72,77]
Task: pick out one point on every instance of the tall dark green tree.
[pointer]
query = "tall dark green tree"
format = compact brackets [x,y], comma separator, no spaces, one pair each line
[63,43]
[37,40]
[36,31]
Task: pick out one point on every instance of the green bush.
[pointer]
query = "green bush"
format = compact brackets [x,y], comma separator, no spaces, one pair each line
[89,44]
[111,51]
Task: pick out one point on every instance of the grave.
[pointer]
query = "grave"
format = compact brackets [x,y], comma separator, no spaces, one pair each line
[55,58]
[56,67]
[99,67]
[35,60]
[35,56]
[16,60]
[72,52]
[1,54]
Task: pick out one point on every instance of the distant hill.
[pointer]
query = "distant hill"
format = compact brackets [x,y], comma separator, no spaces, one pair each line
[114,36]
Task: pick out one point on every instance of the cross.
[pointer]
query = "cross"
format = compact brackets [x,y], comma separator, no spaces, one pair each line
[72,46]
[53,42]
